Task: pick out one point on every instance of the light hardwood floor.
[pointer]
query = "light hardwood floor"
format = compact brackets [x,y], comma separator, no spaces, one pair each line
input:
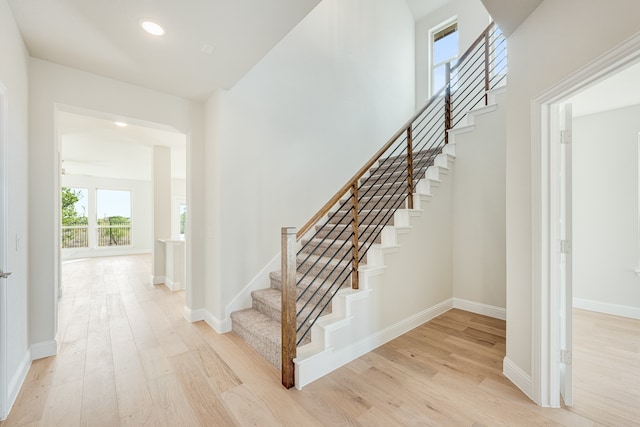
[127,357]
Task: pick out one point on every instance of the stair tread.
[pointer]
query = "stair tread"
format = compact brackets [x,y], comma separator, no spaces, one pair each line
[272,298]
[261,324]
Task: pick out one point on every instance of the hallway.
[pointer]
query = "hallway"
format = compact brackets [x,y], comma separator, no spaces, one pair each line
[127,357]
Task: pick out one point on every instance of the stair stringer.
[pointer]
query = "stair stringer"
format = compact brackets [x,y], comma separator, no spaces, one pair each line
[405,283]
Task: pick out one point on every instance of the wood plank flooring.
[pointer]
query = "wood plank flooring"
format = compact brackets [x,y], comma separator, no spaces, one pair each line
[127,357]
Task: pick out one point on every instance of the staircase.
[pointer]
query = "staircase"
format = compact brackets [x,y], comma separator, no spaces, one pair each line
[340,250]
[260,326]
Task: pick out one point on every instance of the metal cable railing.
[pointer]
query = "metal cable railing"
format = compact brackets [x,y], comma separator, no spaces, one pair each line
[336,240]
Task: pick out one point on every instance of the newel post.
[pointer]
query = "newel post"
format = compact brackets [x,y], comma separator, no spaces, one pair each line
[288,268]
[447,101]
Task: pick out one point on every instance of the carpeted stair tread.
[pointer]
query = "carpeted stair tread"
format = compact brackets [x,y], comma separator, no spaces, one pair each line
[269,302]
[260,331]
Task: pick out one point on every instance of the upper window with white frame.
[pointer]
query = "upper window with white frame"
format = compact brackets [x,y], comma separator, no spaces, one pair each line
[443,48]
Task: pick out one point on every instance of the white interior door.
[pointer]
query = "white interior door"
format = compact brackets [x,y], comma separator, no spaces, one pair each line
[566,294]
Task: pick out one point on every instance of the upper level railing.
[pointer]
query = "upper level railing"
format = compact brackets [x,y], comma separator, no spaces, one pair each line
[336,240]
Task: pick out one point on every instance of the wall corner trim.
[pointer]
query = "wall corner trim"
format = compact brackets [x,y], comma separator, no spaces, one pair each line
[44,349]
[480,308]
[220,326]
[518,377]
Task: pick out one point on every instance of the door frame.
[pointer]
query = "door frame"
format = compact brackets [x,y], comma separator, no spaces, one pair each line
[4,385]
[545,234]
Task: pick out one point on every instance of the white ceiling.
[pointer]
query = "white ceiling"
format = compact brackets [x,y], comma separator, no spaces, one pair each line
[97,147]
[104,37]
[618,91]
[421,8]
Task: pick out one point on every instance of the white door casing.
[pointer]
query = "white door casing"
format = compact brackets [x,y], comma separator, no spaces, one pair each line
[565,280]
[3,253]
[547,294]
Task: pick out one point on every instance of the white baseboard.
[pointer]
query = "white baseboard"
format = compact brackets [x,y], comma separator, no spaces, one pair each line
[517,376]
[16,382]
[44,349]
[479,308]
[218,325]
[320,364]
[158,280]
[607,308]
[173,286]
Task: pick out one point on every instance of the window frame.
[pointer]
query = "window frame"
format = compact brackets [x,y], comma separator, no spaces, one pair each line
[442,30]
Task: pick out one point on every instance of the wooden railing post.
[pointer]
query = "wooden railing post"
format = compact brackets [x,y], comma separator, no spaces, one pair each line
[354,244]
[410,167]
[487,81]
[447,101]
[288,268]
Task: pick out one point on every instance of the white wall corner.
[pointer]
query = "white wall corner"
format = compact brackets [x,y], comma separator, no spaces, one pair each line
[518,377]
[220,326]
[44,349]
[479,308]
[607,308]
[15,383]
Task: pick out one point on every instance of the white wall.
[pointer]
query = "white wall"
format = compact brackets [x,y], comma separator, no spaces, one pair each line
[479,210]
[52,85]
[298,126]
[605,209]
[472,19]
[141,213]
[14,79]
[559,37]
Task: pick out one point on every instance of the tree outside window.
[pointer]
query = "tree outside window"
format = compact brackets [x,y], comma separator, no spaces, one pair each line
[74,217]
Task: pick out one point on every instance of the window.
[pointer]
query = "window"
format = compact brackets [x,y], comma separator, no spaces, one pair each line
[444,49]
[74,218]
[113,217]
[183,217]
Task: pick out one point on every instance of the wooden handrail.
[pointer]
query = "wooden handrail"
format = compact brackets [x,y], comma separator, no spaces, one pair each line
[346,187]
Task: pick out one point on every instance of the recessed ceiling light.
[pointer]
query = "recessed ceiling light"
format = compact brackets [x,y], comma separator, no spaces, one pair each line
[151,27]
[120,124]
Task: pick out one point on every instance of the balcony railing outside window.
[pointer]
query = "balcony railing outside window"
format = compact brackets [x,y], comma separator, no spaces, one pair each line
[113,232]
[75,236]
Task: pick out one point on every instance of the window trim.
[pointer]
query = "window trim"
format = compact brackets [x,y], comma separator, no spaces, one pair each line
[440,31]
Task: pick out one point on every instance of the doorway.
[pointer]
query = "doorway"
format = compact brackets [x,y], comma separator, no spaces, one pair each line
[550,364]
[110,184]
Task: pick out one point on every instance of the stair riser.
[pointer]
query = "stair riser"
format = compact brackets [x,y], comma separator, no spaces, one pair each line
[275,313]
[270,351]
